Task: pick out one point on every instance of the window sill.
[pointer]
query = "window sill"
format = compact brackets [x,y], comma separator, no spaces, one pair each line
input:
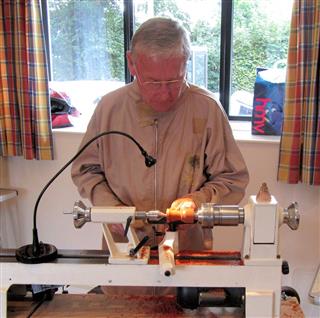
[241,132]
[79,129]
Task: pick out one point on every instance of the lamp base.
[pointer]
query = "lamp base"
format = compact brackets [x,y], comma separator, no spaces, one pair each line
[26,255]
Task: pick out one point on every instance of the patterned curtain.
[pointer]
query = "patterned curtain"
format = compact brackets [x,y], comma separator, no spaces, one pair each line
[25,120]
[299,158]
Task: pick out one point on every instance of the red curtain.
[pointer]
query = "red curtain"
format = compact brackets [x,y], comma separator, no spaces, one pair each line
[25,120]
[299,158]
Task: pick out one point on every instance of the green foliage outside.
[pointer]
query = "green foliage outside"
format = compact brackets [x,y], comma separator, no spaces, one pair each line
[97,52]
[86,40]
[258,42]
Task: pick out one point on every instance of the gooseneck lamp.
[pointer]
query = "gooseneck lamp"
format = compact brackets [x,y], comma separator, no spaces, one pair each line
[39,252]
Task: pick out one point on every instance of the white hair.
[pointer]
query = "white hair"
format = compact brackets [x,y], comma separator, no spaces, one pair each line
[161,36]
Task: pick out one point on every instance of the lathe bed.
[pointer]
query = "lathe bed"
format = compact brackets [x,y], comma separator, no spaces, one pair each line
[92,270]
[98,305]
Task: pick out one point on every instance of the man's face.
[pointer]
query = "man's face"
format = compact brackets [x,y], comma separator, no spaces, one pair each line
[160,79]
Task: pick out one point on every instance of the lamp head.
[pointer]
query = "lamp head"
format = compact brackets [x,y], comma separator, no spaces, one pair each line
[149,161]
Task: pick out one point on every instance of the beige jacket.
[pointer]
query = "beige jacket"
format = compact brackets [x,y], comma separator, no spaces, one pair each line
[193,143]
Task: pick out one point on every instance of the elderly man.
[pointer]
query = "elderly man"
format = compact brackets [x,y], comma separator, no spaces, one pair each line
[183,126]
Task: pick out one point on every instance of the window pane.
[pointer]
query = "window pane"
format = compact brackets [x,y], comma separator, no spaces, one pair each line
[87,48]
[202,19]
[260,39]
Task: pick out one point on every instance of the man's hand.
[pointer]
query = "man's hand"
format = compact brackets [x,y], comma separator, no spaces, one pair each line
[183,203]
[181,210]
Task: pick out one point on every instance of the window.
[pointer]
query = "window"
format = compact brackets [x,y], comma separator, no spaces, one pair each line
[202,18]
[86,49]
[197,70]
[230,39]
[260,39]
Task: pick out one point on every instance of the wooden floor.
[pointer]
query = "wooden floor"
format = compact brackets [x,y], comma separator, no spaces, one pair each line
[100,305]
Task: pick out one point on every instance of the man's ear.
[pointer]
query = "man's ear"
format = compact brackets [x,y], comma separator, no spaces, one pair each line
[131,67]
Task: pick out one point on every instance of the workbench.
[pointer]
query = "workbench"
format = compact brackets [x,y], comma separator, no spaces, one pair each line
[99,305]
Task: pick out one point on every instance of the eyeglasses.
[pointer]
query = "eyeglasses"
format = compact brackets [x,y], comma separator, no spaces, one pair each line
[154,85]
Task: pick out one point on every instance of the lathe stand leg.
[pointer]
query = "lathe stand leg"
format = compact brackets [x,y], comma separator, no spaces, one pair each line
[3,301]
[259,304]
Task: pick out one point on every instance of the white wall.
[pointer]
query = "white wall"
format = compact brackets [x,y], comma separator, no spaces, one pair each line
[300,248]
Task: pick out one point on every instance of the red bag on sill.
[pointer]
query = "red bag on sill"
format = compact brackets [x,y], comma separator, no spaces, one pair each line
[61,110]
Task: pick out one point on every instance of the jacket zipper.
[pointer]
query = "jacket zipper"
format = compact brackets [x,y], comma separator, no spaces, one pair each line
[155,227]
[155,166]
